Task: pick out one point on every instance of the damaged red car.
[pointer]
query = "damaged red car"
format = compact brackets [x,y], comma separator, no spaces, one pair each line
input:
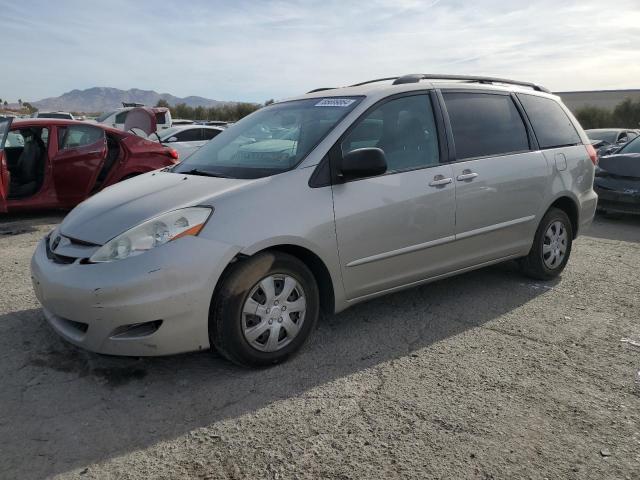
[51,163]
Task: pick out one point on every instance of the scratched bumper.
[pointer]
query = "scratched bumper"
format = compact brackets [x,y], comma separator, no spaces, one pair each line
[90,305]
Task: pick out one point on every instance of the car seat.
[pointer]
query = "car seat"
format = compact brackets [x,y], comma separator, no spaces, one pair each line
[27,174]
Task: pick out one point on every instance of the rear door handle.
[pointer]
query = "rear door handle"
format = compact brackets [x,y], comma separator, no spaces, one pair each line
[466,175]
[440,181]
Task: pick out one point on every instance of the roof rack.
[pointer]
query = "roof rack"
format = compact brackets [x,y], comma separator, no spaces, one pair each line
[416,77]
[322,89]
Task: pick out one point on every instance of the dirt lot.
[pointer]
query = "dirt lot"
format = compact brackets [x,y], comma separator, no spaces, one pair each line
[488,375]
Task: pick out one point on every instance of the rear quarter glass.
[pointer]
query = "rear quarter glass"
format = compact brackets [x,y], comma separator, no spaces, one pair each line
[551,124]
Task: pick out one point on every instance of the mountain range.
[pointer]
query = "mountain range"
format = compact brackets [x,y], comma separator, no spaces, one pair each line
[101,99]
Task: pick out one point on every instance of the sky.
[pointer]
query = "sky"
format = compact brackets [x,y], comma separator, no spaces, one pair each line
[256,50]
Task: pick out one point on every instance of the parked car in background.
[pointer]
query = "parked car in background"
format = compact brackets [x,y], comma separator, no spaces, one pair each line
[52,163]
[117,118]
[617,180]
[181,121]
[321,201]
[186,139]
[607,140]
[59,115]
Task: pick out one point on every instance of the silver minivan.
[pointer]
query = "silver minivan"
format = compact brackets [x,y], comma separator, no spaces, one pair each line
[319,202]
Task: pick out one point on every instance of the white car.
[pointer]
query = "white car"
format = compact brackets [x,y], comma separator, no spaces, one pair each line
[117,118]
[186,139]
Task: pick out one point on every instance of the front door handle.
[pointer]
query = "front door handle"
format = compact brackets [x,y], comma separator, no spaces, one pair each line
[440,181]
[466,175]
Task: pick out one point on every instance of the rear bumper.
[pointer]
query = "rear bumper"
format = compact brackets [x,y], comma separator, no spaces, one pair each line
[618,201]
[168,290]
[587,202]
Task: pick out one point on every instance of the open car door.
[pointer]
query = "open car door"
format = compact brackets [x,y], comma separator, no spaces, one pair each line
[82,150]
[141,120]
[5,125]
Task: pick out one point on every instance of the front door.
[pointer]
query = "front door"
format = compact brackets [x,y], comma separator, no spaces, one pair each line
[5,126]
[501,180]
[392,229]
[81,152]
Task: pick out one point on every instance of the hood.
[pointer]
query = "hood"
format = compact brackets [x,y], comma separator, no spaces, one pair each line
[141,118]
[622,165]
[127,204]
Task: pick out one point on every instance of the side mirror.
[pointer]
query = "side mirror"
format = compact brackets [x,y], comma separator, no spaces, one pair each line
[171,139]
[363,162]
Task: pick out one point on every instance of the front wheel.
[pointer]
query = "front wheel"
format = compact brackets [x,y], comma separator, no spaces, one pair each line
[265,309]
[551,246]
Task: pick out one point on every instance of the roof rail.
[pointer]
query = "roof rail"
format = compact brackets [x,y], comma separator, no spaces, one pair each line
[322,89]
[416,77]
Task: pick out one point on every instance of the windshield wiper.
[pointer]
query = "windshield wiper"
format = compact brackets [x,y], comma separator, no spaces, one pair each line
[204,173]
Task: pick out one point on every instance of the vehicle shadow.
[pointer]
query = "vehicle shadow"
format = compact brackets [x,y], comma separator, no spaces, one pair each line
[15,224]
[625,228]
[64,408]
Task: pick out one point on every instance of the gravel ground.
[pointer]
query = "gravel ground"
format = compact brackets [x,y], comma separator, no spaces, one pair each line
[487,375]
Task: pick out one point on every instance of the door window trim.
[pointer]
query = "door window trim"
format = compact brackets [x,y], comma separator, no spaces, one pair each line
[531,139]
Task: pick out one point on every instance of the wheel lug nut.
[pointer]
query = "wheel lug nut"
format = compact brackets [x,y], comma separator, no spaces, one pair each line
[276,302]
[270,321]
[283,308]
[280,320]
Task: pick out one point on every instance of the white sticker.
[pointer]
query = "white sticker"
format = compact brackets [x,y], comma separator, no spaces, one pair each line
[334,102]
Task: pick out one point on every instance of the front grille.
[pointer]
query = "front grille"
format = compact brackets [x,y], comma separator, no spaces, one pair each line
[54,257]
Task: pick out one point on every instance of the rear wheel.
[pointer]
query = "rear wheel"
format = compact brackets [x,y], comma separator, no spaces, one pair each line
[264,310]
[551,246]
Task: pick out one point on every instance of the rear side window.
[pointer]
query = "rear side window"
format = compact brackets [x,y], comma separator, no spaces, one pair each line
[484,124]
[190,135]
[404,128]
[121,117]
[208,134]
[549,121]
[79,136]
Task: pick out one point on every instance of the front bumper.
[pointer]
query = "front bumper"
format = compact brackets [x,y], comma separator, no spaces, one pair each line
[96,306]
[618,201]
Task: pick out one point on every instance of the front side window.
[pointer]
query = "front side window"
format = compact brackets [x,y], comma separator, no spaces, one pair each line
[271,140]
[485,124]
[404,128]
[79,136]
[550,122]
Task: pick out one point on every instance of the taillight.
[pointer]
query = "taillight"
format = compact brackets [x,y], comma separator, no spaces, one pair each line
[173,153]
[593,155]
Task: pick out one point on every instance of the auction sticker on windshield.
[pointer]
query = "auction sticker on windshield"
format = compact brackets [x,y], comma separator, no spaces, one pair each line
[334,102]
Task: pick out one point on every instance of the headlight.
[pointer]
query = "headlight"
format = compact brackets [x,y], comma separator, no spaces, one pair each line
[153,233]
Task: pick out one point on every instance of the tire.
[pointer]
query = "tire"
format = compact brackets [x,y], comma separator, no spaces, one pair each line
[539,263]
[232,329]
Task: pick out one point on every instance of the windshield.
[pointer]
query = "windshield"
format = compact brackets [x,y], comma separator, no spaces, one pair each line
[104,116]
[608,136]
[65,116]
[270,141]
[632,147]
